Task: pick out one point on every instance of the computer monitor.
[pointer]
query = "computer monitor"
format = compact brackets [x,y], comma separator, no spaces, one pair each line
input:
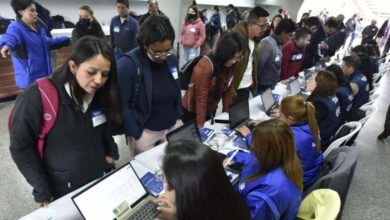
[238,113]
[267,99]
[188,131]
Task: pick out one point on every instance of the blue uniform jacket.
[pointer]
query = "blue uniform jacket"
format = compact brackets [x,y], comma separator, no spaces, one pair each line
[135,117]
[270,197]
[345,96]
[363,95]
[30,52]
[123,35]
[330,124]
[306,147]
[216,20]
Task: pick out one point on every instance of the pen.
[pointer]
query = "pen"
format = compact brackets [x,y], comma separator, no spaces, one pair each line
[230,158]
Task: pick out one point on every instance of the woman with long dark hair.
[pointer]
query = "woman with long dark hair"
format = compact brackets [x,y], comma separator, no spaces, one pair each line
[196,185]
[150,86]
[323,87]
[212,78]
[79,145]
[271,179]
[192,33]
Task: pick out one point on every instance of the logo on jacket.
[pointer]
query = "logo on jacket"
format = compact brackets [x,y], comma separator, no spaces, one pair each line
[47,116]
[242,186]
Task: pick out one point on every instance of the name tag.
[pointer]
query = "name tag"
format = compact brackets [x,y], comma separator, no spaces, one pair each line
[230,81]
[192,29]
[116,29]
[298,56]
[174,72]
[98,118]
[277,58]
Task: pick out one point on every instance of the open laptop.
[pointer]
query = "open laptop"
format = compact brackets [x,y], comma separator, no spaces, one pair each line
[118,195]
[296,89]
[188,131]
[239,114]
[268,101]
[4,25]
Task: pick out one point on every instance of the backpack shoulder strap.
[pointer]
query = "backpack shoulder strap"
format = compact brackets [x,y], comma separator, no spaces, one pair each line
[50,102]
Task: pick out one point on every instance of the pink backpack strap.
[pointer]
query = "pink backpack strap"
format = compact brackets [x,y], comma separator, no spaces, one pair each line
[50,102]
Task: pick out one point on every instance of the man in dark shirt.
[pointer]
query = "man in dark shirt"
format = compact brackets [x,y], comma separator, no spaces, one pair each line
[319,43]
[338,38]
[123,29]
[231,17]
[152,10]
[369,32]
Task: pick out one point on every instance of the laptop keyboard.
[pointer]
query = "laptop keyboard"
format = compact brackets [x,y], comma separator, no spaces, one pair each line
[148,211]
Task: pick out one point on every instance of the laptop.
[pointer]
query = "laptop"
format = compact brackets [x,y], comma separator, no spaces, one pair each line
[296,89]
[268,101]
[239,114]
[4,25]
[118,195]
[188,131]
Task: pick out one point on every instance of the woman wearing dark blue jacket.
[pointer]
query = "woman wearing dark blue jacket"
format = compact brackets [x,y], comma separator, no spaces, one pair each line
[300,116]
[323,86]
[29,44]
[215,22]
[271,180]
[344,93]
[149,81]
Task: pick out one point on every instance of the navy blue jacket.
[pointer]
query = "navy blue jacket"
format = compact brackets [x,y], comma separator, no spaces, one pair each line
[330,124]
[306,147]
[363,95]
[345,96]
[135,117]
[30,52]
[216,20]
[272,196]
[123,35]
[311,53]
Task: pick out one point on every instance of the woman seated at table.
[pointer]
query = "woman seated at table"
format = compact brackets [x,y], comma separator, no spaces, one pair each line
[207,88]
[196,185]
[79,146]
[150,87]
[323,86]
[344,92]
[271,179]
[300,116]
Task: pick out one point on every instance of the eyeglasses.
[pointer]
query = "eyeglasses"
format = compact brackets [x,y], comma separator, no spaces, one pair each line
[237,58]
[160,54]
[263,26]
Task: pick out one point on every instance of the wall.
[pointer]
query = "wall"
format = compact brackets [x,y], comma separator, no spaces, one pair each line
[292,6]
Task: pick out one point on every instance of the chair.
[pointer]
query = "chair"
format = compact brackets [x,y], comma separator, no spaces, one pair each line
[320,204]
[336,173]
[369,111]
[340,141]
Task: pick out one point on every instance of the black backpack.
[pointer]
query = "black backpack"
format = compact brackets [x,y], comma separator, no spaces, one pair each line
[186,70]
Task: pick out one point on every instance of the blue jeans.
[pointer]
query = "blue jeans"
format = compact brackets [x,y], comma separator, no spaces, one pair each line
[190,53]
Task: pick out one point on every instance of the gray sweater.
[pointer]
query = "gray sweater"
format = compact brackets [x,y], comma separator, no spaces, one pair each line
[269,61]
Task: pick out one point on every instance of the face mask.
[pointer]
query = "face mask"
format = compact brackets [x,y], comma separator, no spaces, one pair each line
[84,21]
[150,56]
[191,16]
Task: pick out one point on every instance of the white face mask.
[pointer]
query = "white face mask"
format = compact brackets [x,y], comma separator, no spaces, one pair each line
[150,56]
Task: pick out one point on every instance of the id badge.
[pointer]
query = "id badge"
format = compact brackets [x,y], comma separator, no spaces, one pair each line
[174,72]
[299,56]
[116,29]
[277,58]
[98,118]
[192,29]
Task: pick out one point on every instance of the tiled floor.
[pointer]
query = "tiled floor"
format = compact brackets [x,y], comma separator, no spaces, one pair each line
[368,198]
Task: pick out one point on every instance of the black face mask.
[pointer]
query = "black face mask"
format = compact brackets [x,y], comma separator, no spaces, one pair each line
[85,21]
[191,16]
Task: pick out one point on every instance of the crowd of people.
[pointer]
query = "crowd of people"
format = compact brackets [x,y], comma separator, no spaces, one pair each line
[133,83]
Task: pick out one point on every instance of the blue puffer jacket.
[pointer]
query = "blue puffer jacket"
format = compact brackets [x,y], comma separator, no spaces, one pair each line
[30,51]
[306,147]
[311,160]
[270,197]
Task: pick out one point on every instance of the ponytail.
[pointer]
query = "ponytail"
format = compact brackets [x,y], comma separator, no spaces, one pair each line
[311,120]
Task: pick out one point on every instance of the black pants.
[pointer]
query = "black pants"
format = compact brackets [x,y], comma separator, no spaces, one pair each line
[242,94]
[386,132]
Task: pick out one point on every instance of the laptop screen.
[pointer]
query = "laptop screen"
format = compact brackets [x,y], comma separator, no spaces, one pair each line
[294,87]
[99,200]
[238,113]
[188,131]
[267,99]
